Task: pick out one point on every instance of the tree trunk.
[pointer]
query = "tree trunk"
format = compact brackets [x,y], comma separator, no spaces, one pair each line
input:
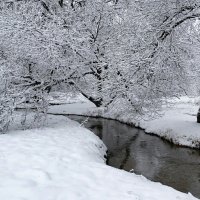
[96,102]
[198,116]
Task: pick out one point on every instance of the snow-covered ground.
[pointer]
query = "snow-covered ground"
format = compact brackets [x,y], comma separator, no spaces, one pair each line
[62,98]
[177,124]
[65,161]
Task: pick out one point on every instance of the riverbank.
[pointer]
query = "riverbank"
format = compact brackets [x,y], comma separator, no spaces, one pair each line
[177,124]
[66,161]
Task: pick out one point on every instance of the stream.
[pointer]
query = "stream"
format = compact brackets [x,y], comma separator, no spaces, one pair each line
[129,148]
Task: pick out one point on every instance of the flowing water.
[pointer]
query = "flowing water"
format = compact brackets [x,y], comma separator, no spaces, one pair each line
[130,148]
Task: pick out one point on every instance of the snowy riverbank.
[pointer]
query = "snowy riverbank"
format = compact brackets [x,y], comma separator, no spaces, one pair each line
[177,124]
[66,161]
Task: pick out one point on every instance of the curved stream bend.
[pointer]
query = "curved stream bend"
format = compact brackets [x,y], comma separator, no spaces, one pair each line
[130,148]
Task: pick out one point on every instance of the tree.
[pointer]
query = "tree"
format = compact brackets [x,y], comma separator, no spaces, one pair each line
[122,54]
[35,52]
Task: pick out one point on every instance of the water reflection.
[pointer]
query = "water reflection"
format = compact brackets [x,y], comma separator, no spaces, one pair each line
[130,148]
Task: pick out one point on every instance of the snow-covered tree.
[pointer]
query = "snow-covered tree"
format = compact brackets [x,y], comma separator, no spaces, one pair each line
[123,54]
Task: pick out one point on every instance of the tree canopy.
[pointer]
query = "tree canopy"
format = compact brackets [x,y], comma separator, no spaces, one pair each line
[131,53]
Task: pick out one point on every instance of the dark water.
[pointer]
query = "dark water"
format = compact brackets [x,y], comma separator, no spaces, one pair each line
[130,148]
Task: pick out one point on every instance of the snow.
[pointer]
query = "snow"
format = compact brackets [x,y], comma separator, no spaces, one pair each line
[64,161]
[76,108]
[62,98]
[177,124]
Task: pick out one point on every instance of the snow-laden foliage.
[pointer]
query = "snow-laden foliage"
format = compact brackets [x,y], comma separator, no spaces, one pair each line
[128,54]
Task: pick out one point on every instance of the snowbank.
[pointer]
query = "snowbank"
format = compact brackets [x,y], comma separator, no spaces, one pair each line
[66,162]
[178,123]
